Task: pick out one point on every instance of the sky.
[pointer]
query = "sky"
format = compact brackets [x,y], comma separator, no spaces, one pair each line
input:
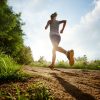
[82,32]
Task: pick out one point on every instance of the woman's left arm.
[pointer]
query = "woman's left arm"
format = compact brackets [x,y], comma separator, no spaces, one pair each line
[64,24]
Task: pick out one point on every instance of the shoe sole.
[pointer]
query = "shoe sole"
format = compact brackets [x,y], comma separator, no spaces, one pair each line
[51,67]
[71,57]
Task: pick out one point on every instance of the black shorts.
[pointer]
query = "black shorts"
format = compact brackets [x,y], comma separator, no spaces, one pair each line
[55,39]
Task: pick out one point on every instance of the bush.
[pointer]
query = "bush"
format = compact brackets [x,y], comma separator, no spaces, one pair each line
[41,62]
[94,64]
[11,35]
[80,63]
[62,64]
[24,56]
[9,69]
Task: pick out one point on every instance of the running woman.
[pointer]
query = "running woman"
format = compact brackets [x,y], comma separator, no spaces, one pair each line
[56,38]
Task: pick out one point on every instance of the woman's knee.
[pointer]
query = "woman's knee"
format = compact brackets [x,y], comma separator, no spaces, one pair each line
[53,50]
[55,47]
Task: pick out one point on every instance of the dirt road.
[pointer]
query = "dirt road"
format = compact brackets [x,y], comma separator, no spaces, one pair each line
[69,84]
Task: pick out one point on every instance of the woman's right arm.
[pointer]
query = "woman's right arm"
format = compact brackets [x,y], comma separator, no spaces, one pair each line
[48,23]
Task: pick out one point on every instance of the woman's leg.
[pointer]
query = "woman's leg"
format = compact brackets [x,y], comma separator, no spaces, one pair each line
[53,56]
[57,40]
[60,49]
[55,46]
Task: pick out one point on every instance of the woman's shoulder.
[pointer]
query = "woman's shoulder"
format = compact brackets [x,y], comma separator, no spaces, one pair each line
[49,21]
[57,21]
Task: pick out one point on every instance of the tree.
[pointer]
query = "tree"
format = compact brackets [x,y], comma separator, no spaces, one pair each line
[82,59]
[41,59]
[11,34]
[25,56]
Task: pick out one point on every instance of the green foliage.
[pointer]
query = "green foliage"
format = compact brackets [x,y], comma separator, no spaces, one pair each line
[11,40]
[80,63]
[62,64]
[24,56]
[11,34]
[41,59]
[41,62]
[94,64]
[35,91]
[39,92]
[82,59]
[9,69]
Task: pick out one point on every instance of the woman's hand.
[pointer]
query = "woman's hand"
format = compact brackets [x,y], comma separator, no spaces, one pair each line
[45,28]
[64,24]
[61,31]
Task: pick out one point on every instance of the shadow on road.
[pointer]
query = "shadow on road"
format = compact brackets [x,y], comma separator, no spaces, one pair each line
[72,90]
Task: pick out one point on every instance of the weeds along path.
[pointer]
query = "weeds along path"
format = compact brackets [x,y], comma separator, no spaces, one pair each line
[69,84]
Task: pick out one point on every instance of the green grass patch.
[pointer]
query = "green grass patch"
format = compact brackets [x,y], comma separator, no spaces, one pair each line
[92,65]
[36,91]
[9,69]
[40,64]
[80,63]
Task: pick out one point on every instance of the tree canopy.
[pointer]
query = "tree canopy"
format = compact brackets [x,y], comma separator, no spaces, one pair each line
[11,34]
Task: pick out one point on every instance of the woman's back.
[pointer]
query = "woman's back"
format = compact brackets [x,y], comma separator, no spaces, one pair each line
[54,27]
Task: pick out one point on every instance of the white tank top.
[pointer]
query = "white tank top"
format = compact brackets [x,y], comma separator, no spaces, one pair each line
[54,28]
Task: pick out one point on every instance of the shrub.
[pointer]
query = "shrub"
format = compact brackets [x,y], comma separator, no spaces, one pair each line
[62,64]
[41,62]
[24,56]
[9,69]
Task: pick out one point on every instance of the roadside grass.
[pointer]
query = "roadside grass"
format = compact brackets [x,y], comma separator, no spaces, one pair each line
[35,91]
[10,70]
[92,65]
[40,64]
